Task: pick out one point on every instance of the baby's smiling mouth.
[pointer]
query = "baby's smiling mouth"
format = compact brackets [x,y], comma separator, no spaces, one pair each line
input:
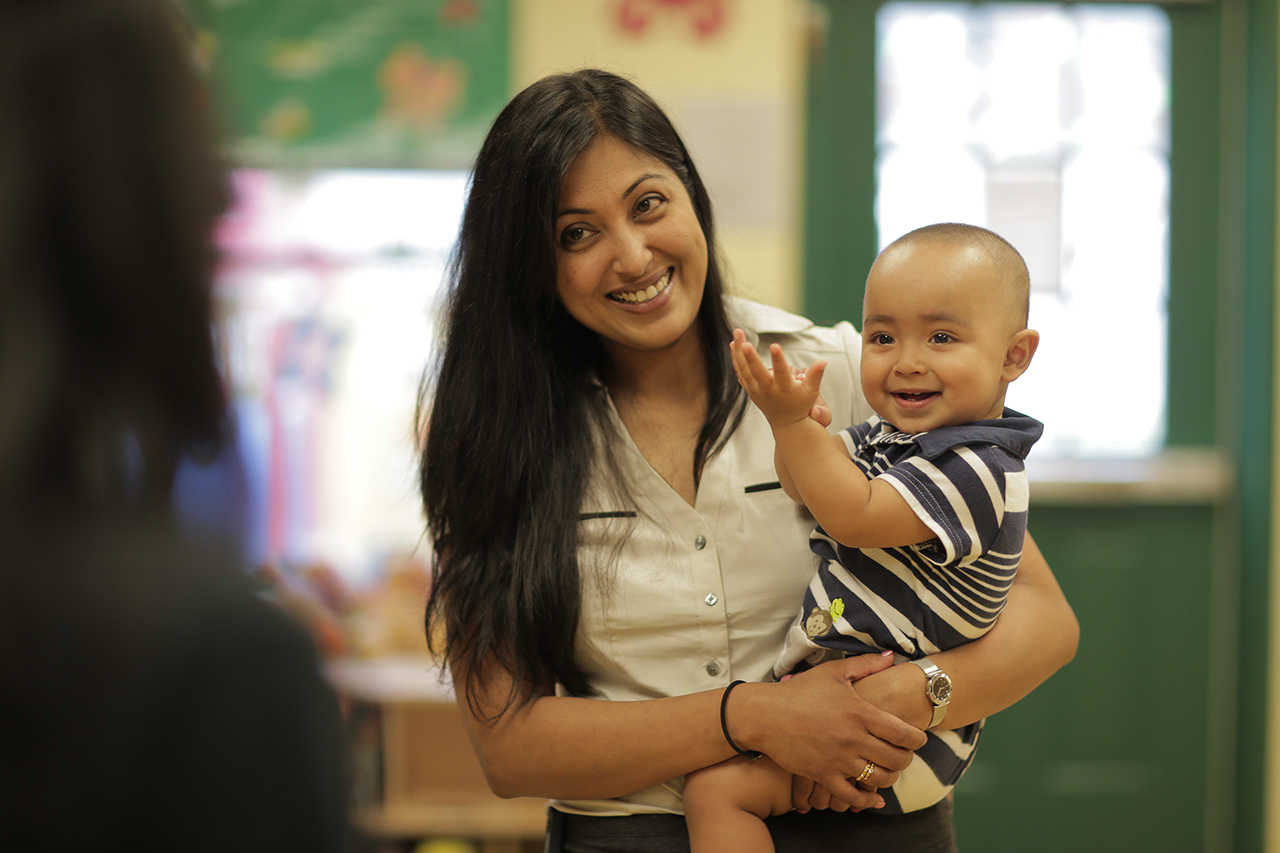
[915,396]
[639,297]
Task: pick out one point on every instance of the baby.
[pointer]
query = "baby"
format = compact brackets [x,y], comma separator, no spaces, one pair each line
[921,510]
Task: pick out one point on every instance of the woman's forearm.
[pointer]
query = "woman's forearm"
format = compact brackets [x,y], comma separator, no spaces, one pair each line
[572,748]
[1034,637]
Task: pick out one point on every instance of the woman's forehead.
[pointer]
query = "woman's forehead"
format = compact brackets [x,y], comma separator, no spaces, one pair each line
[609,168]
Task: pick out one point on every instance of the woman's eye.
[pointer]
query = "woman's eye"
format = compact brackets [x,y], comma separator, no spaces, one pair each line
[649,203]
[574,234]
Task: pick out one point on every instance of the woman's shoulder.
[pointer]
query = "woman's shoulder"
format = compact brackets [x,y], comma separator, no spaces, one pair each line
[767,324]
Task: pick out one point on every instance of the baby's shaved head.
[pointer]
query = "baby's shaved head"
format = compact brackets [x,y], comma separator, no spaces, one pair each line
[1004,257]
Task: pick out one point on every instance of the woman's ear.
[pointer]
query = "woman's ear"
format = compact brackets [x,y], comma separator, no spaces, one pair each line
[1022,347]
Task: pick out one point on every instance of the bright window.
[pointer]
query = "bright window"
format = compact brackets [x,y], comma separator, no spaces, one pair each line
[328,293]
[1048,124]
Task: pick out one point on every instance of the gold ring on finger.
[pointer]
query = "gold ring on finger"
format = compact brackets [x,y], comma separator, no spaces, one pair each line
[866,772]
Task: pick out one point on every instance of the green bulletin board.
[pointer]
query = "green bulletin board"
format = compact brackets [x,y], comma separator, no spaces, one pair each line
[356,83]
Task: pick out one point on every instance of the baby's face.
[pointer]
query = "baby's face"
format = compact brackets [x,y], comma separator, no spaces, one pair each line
[936,332]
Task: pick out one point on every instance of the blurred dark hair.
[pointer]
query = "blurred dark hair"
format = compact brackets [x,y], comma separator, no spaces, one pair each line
[513,416]
[111,182]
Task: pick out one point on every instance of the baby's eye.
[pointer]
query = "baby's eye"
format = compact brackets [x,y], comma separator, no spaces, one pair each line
[882,339]
[941,338]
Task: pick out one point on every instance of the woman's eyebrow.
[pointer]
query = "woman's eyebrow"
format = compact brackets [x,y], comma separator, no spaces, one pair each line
[584,211]
[640,180]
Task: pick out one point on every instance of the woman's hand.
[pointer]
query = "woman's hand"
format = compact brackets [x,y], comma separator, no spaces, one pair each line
[816,726]
[807,794]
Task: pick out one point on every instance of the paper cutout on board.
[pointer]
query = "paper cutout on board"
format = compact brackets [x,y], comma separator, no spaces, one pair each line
[372,83]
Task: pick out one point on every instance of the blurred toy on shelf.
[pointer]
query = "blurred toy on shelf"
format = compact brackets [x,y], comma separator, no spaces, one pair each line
[383,618]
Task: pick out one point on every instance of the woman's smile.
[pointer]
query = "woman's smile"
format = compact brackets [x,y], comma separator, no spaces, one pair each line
[644,296]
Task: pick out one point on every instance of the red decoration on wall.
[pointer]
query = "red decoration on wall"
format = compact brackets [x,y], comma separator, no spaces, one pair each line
[707,17]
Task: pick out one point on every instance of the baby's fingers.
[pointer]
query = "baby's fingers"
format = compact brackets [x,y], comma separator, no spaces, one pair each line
[784,378]
[743,354]
[813,376]
[753,370]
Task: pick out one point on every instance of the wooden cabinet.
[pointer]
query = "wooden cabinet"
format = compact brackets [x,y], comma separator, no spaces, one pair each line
[416,775]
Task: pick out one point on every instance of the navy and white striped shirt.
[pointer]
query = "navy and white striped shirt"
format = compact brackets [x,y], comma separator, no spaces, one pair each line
[968,484]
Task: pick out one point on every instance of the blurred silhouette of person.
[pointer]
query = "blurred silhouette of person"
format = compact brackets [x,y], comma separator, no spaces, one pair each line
[149,697]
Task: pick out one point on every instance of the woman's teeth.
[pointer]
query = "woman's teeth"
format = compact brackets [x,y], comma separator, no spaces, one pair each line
[640,296]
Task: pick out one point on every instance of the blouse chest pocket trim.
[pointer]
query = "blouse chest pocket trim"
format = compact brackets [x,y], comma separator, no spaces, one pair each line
[763,487]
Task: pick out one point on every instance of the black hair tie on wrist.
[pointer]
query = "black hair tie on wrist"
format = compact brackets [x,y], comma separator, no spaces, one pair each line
[724,725]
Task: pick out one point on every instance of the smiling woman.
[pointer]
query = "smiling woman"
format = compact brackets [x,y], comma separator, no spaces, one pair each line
[607,520]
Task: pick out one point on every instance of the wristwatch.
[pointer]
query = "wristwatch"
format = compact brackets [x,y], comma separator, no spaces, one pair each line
[938,689]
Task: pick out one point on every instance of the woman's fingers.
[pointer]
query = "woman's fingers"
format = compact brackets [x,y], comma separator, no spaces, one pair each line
[849,795]
[803,790]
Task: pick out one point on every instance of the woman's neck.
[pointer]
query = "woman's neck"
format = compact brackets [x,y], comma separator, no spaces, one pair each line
[659,379]
[661,397]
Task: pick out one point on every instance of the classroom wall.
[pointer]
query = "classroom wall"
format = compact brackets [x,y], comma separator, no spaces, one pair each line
[732,75]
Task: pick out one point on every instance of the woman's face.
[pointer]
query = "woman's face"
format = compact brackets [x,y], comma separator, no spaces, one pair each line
[631,258]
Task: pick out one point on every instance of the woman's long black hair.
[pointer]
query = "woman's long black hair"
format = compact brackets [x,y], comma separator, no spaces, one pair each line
[512,418]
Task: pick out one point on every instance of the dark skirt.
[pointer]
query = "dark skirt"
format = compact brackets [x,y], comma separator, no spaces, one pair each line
[926,831]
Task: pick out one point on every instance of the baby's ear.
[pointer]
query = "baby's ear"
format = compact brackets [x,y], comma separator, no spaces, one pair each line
[1022,347]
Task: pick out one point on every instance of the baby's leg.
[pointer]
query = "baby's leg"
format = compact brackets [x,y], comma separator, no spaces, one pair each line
[725,805]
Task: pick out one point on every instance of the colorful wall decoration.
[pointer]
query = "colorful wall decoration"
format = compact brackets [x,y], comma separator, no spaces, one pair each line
[348,83]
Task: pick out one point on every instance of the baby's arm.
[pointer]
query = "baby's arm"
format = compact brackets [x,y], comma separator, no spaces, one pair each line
[814,467]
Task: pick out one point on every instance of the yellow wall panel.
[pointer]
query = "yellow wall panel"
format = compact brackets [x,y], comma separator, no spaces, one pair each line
[731,75]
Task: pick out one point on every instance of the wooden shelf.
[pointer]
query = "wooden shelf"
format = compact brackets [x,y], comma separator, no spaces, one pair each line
[514,820]
[416,774]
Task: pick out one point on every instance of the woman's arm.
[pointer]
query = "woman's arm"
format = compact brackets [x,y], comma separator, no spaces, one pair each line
[1036,635]
[815,724]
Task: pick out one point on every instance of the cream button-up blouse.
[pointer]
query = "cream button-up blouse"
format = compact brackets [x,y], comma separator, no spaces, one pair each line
[696,597]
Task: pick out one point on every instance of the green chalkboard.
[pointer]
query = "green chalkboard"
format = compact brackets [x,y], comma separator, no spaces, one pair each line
[352,83]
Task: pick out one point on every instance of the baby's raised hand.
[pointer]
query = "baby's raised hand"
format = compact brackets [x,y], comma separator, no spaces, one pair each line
[784,395]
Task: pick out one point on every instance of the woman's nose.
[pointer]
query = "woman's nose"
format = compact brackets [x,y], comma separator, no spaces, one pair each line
[632,255]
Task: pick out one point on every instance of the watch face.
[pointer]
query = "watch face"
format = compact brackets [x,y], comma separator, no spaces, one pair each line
[940,688]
